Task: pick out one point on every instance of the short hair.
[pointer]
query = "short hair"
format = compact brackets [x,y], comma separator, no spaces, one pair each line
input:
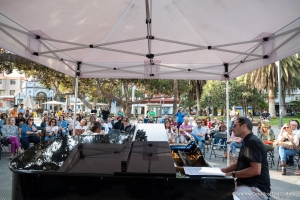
[185,118]
[243,120]
[94,126]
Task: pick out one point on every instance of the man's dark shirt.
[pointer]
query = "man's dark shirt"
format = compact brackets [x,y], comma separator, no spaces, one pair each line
[105,114]
[118,125]
[265,115]
[254,150]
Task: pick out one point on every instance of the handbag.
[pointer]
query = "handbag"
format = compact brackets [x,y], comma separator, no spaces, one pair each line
[5,141]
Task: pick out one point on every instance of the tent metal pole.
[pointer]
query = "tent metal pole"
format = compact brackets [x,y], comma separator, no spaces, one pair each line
[286,41]
[120,51]
[47,56]
[280,93]
[246,57]
[236,52]
[181,51]
[191,72]
[18,30]
[177,42]
[227,119]
[94,46]
[43,43]
[15,39]
[75,105]
[237,43]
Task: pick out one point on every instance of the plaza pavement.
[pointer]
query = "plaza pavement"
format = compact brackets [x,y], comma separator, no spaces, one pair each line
[283,187]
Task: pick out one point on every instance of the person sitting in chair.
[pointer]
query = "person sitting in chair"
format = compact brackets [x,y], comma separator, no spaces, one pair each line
[94,129]
[51,130]
[199,133]
[10,132]
[119,124]
[28,133]
[267,135]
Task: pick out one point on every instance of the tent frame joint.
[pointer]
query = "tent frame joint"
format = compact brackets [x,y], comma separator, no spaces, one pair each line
[226,74]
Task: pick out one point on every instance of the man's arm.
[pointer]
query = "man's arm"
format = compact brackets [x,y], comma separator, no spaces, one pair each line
[229,168]
[253,170]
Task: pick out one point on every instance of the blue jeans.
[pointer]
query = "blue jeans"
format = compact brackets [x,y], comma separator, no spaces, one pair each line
[25,141]
[199,140]
[234,145]
[50,138]
[286,152]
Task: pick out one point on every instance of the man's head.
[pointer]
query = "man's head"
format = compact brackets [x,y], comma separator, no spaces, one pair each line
[242,127]
[293,125]
[21,105]
[198,121]
[95,127]
[166,116]
[265,110]
[186,120]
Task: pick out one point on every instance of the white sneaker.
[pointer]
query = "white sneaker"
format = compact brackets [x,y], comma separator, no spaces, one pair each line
[214,148]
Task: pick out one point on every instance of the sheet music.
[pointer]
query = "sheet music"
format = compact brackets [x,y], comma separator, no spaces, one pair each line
[203,171]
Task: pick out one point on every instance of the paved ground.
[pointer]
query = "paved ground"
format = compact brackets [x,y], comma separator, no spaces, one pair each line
[283,187]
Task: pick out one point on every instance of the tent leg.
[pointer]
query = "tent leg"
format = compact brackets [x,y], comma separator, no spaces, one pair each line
[227,119]
[75,108]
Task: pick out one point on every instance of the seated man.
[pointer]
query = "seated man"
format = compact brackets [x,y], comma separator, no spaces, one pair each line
[265,115]
[199,133]
[251,169]
[94,129]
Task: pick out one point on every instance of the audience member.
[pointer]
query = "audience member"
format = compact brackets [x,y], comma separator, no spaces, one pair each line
[198,133]
[28,133]
[81,127]
[10,132]
[169,132]
[286,135]
[184,129]
[62,126]
[51,130]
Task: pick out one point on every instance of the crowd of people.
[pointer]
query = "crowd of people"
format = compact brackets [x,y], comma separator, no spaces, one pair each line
[19,129]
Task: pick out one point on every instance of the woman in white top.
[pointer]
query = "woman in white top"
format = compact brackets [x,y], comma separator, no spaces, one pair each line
[82,127]
[194,123]
[169,132]
[286,135]
[51,130]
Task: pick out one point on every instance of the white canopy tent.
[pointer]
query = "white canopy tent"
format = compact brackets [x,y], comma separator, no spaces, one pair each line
[28,102]
[170,39]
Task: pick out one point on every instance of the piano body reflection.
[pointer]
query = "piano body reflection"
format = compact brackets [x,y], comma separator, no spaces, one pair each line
[113,166]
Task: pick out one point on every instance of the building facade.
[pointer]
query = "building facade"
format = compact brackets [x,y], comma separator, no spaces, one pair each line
[11,89]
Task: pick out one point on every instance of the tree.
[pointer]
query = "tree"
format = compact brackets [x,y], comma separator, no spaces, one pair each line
[266,78]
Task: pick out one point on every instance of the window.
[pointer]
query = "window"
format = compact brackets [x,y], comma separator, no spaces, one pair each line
[2,92]
[12,92]
[0,81]
[13,82]
[297,98]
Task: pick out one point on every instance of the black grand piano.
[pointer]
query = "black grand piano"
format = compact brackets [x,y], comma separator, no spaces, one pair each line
[138,165]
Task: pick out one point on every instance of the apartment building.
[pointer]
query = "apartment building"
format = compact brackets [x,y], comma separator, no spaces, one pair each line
[11,88]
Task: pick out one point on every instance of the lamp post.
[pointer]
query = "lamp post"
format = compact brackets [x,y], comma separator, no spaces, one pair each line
[208,99]
[19,96]
[163,104]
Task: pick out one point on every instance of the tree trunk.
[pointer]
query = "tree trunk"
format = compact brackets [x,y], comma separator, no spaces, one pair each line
[215,111]
[175,91]
[197,98]
[283,104]
[271,102]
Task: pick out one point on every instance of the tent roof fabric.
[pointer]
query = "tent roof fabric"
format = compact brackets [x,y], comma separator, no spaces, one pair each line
[170,39]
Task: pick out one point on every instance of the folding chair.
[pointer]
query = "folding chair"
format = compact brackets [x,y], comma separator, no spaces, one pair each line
[296,160]
[270,157]
[219,136]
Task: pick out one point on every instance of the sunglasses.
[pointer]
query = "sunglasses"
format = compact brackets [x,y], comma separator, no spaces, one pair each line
[31,119]
[199,122]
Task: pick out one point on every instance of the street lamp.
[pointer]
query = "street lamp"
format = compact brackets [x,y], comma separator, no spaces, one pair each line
[208,99]
[19,93]
[163,109]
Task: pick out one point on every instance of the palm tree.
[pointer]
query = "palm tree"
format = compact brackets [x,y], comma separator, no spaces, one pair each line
[290,81]
[266,78]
